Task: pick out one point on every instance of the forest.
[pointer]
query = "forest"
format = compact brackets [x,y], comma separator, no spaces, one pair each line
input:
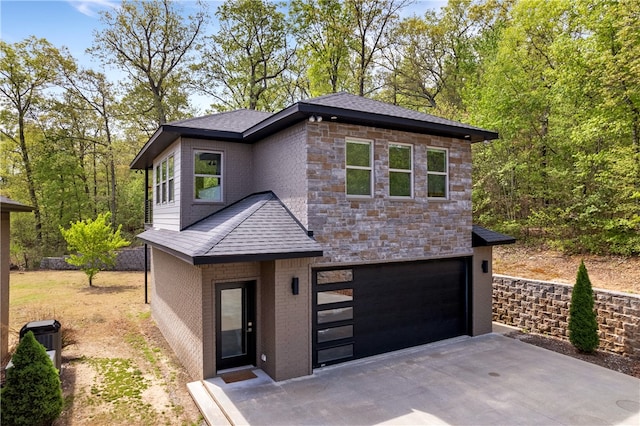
[558,79]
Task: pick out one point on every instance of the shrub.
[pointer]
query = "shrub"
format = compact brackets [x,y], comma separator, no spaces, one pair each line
[32,394]
[583,324]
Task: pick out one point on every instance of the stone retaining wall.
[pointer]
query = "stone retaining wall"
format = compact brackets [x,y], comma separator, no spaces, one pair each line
[543,307]
[129,259]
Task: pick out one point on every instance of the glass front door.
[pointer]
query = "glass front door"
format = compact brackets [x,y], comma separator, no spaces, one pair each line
[235,342]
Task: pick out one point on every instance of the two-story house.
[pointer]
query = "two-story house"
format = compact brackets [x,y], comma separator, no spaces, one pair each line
[335,229]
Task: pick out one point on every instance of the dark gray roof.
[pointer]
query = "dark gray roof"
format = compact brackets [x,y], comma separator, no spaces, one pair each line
[350,102]
[9,205]
[231,121]
[258,227]
[485,237]
[247,126]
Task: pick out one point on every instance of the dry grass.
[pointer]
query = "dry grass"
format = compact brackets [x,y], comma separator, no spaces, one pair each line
[110,340]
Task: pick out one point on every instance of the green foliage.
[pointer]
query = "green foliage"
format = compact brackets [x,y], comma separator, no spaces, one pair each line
[32,394]
[583,324]
[95,242]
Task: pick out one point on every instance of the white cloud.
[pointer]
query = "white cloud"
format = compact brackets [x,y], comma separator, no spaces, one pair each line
[92,7]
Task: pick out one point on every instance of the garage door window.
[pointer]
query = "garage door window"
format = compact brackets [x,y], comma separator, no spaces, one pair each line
[335,354]
[335,333]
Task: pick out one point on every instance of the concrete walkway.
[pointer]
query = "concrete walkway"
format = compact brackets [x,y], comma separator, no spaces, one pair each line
[484,380]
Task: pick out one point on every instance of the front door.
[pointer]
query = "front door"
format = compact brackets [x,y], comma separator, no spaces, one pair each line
[235,325]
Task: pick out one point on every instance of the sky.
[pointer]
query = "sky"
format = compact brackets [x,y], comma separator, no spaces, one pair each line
[72,23]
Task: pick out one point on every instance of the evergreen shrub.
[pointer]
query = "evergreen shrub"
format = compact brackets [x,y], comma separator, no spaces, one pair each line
[583,323]
[32,394]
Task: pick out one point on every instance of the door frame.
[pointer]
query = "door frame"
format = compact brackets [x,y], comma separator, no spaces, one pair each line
[249,331]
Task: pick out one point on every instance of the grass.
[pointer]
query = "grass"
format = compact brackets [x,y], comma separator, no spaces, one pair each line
[115,368]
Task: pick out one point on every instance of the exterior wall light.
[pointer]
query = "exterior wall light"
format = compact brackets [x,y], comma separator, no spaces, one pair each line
[295,286]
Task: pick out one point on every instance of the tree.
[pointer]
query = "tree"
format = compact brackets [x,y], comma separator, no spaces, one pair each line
[374,19]
[95,243]
[32,394]
[324,32]
[244,63]
[583,323]
[27,69]
[150,41]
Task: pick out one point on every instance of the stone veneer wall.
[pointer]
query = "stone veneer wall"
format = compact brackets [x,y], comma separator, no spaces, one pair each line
[129,259]
[543,307]
[384,228]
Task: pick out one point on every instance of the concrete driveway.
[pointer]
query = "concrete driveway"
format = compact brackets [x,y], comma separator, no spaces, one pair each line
[484,380]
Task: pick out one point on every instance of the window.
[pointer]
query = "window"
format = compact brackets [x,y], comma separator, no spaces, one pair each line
[359,168]
[400,170]
[437,173]
[165,181]
[208,176]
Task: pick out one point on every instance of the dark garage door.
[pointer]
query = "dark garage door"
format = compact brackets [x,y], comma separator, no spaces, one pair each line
[366,310]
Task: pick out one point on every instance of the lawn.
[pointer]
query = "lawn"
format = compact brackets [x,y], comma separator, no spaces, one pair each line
[116,367]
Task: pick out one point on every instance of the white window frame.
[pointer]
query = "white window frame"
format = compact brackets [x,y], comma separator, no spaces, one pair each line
[406,171]
[369,168]
[218,176]
[437,173]
[163,182]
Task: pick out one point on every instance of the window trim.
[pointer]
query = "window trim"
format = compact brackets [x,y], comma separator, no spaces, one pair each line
[163,180]
[409,171]
[196,175]
[445,173]
[348,167]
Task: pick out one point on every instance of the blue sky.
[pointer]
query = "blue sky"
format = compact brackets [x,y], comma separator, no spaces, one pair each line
[71,23]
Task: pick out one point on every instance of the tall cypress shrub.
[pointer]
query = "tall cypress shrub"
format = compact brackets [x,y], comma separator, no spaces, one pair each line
[32,394]
[583,324]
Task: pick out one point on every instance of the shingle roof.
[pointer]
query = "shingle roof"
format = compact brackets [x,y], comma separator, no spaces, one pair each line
[9,205]
[230,121]
[351,102]
[258,227]
[485,237]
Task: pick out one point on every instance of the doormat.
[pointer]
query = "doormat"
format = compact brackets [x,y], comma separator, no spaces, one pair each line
[238,376]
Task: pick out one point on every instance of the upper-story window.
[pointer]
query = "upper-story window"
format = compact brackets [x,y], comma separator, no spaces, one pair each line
[165,187]
[437,173]
[208,176]
[400,170]
[359,164]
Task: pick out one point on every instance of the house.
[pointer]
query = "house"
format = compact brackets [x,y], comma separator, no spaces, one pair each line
[335,229]
[7,206]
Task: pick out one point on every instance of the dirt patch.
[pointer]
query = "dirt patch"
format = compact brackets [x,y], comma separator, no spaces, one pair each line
[605,272]
[117,368]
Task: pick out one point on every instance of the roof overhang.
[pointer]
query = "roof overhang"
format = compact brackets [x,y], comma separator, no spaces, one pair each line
[483,237]
[7,205]
[166,134]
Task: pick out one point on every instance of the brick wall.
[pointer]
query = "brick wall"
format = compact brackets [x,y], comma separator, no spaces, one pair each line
[176,305]
[543,307]
[381,228]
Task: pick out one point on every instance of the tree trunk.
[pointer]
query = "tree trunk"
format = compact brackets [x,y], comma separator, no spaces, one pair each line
[30,182]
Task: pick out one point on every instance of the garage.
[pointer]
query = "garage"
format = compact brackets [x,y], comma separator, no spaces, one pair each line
[366,310]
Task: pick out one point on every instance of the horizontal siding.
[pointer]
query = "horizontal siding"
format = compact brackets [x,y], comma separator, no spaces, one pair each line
[167,216]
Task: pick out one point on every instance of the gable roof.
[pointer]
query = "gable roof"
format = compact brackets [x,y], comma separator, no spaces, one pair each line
[258,227]
[9,205]
[485,237]
[248,126]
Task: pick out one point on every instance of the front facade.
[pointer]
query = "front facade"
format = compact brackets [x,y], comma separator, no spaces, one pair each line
[335,229]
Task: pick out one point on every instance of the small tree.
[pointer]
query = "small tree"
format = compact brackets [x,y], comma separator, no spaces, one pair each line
[583,324]
[95,243]
[32,394]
